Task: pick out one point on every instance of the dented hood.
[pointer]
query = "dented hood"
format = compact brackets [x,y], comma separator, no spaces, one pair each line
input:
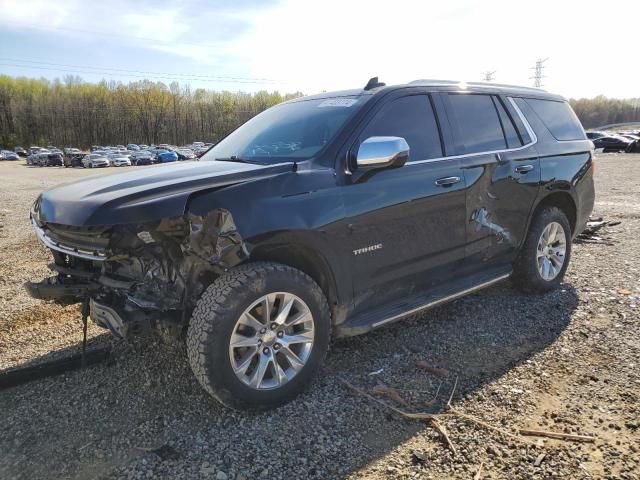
[141,194]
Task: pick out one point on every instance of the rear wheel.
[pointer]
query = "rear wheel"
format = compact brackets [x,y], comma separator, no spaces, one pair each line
[545,255]
[258,334]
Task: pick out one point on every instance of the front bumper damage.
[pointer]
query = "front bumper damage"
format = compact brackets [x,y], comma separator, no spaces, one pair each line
[139,278]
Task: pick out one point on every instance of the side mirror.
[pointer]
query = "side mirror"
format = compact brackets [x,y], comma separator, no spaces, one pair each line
[382,152]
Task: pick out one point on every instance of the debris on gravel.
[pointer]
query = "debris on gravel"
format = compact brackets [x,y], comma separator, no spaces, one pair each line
[565,362]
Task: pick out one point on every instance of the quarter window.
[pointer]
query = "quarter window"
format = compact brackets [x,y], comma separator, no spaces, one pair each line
[559,118]
[412,118]
[477,125]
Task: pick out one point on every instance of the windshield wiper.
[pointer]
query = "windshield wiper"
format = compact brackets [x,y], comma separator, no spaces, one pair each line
[235,158]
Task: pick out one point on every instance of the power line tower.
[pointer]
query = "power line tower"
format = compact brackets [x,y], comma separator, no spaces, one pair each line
[537,75]
[488,76]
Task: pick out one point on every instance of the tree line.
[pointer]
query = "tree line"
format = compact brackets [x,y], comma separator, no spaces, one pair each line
[599,111]
[71,112]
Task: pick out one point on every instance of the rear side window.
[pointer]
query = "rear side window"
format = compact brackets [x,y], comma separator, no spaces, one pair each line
[559,118]
[478,127]
[413,119]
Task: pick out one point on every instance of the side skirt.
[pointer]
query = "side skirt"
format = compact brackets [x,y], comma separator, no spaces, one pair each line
[368,321]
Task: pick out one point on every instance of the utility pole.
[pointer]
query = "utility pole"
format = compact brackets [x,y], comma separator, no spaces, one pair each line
[488,76]
[537,75]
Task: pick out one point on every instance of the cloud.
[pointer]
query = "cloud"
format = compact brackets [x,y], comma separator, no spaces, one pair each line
[20,12]
[310,46]
[198,30]
[340,44]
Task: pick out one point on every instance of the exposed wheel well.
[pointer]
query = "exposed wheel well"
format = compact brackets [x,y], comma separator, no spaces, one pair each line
[305,260]
[564,202]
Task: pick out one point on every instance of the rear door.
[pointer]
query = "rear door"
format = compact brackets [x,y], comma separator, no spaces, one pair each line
[407,224]
[502,174]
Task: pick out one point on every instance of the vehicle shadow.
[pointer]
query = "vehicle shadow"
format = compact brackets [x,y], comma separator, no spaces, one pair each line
[107,418]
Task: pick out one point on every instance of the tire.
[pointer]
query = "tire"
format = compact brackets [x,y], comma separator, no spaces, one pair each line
[527,272]
[91,165]
[217,316]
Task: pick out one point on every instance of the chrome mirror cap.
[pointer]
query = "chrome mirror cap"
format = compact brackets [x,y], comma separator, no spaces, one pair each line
[380,152]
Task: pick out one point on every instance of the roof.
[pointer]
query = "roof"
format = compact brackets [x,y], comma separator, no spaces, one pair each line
[355,92]
[487,86]
[449,85]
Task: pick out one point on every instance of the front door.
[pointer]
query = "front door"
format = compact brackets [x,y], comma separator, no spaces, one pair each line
[407,225]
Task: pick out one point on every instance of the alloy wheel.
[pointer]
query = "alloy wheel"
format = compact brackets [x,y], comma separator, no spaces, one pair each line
[272,341]
[552,249]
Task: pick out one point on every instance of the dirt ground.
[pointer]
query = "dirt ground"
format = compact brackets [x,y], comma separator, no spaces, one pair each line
[567,361]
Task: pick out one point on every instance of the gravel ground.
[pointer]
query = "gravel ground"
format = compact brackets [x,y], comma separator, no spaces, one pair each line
[566,361]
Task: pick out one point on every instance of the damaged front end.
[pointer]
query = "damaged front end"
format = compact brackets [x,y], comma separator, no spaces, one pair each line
[138,278]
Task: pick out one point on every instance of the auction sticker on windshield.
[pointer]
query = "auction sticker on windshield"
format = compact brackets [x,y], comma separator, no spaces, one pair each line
[338,102]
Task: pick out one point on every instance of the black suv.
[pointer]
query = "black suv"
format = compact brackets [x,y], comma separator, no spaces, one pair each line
[333,214]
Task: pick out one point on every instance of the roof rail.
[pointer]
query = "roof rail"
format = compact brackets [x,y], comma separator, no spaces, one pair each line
[435,83]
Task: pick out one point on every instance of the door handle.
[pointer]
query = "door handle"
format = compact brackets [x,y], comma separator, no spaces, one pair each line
[524,168]
[447,181]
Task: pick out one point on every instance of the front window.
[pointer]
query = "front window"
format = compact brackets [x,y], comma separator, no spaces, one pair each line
[287,132]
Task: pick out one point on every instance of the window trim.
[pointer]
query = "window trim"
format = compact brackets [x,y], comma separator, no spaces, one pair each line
[527,126]
[499,104]
[430,101]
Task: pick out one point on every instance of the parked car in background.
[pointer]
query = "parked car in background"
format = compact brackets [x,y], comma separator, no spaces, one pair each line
[34,158]
[142,157]
[74,159]
[71,150]
[133,147]
[94,160]
[595,134]
[155,151]
[612,143]
[54,159]
[143,146]
[45,158]
[20,151]
[185,154]
[630,136]
[35,149]
[120,161]
[8,155]
[167,156]
[41,158]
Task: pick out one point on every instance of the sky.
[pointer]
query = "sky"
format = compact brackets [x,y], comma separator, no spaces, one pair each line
[311,46]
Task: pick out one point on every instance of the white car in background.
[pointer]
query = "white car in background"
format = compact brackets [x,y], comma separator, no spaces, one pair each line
[94,160]
[120,161]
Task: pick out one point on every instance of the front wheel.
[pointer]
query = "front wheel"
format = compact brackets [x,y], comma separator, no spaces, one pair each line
[258,335]
[545,255]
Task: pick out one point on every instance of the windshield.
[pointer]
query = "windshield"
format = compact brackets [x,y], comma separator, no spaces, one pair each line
[286,132]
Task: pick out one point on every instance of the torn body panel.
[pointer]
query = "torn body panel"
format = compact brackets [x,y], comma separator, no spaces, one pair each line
[145,276]
[500,195]
[482,219]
